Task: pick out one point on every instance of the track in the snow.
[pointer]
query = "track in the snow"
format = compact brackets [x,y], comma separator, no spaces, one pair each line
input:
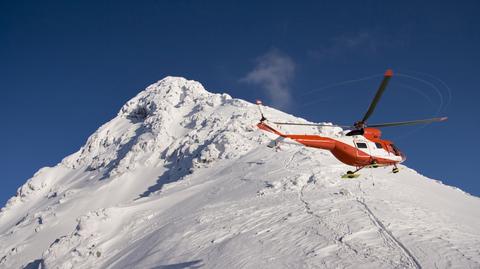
[385,232]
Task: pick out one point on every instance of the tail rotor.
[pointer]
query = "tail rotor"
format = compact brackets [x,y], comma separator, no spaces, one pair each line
[259,104]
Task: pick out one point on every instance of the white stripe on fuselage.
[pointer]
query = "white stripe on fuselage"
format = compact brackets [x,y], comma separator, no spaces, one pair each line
[372,149]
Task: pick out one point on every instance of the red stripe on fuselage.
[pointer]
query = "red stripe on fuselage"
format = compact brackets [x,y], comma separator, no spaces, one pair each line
[345,153]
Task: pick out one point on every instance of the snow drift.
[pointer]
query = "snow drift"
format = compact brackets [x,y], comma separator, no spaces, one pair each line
[181,178]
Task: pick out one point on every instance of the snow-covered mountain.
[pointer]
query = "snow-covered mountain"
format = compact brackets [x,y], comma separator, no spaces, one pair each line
[182,178]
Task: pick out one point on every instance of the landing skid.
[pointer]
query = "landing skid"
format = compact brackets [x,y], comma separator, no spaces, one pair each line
[350,175]
[353,174]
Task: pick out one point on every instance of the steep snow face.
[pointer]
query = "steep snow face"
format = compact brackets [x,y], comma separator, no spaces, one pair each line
[182,178]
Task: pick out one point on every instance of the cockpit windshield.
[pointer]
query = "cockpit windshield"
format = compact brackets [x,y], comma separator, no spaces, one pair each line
[395,149]
[355,132]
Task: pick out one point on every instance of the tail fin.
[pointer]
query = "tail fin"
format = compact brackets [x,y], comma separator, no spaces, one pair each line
[263,125]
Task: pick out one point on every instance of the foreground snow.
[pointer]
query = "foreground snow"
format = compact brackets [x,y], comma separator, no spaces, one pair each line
[181,178]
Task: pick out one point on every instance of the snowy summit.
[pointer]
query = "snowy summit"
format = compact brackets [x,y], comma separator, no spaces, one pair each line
[182,178]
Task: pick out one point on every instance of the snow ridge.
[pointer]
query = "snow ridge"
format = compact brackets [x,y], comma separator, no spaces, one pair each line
[181,177]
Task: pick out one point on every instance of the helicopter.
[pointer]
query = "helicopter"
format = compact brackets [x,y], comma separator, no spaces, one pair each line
[362,146]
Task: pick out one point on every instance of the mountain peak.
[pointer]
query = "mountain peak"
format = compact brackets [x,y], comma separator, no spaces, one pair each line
[174,84]
[149,123]
[166,92]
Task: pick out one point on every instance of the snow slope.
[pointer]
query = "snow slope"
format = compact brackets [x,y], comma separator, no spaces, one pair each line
[181,178]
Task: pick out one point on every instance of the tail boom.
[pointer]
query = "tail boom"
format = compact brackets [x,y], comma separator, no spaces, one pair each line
[263,126]
[314,141]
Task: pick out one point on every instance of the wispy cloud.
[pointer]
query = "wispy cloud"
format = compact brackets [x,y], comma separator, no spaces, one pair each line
[366,42]
[273,72]
[345,43]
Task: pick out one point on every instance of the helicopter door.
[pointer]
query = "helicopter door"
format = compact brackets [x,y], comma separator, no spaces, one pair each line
[363,146]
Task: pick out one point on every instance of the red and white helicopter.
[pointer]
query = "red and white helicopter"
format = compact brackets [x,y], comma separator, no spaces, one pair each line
[362,146]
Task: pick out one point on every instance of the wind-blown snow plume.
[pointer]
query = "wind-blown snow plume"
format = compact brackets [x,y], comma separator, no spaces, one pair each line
[273,72]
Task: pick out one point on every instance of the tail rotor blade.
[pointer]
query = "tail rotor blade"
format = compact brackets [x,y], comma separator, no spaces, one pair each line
[259,104]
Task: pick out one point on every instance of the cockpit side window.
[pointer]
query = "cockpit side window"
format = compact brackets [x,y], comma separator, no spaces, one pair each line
[379,145]
[361,145]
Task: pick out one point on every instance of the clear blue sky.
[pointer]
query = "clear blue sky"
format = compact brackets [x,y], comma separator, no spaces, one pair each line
[66,67]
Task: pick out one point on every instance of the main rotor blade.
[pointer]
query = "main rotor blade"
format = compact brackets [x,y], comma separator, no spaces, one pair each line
[378,95]
[312,124]
[390,124]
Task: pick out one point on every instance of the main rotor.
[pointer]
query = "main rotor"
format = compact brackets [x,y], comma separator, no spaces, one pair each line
[386,78]
[361,124]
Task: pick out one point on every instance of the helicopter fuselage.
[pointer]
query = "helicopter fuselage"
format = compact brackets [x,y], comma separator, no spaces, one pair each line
[359,149]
